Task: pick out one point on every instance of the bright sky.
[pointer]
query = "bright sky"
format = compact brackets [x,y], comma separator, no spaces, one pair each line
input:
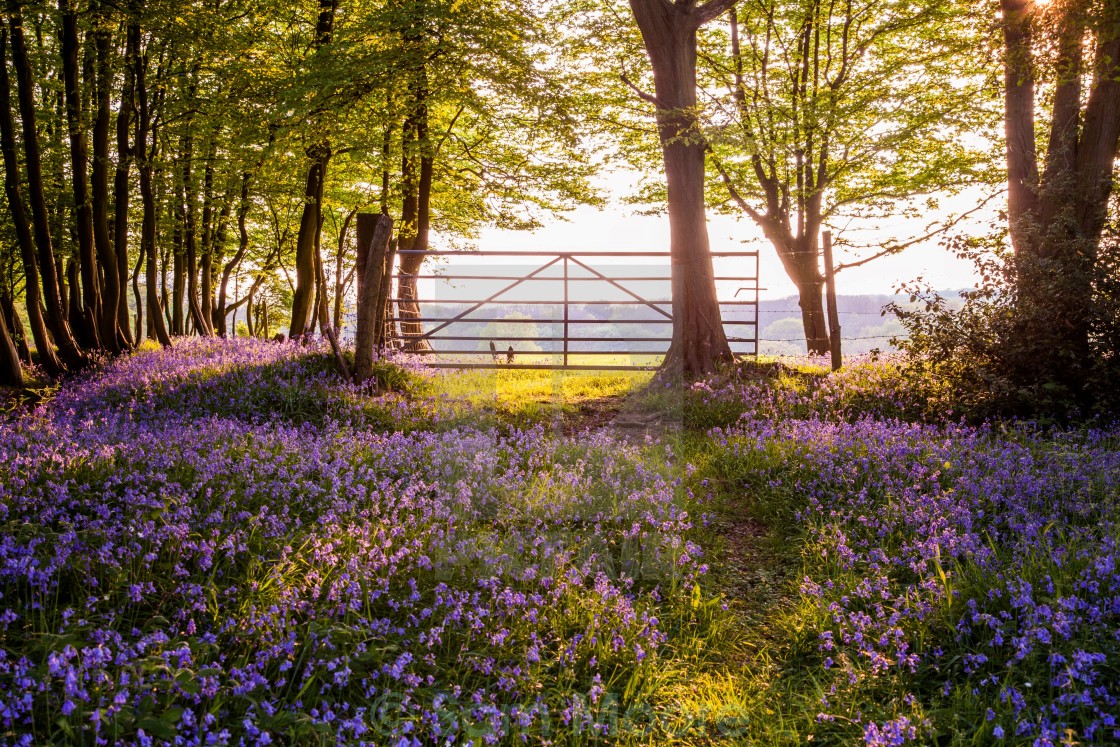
[618,229]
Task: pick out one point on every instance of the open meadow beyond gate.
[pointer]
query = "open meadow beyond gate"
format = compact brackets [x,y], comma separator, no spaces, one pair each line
[605,310]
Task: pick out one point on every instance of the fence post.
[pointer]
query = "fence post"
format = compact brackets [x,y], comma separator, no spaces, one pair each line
[565,310]
[830,294]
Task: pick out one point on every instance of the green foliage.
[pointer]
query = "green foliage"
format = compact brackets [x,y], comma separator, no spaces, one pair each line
[1040,337]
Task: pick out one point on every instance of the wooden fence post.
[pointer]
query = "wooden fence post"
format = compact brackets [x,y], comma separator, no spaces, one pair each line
[371,271]
[830,294]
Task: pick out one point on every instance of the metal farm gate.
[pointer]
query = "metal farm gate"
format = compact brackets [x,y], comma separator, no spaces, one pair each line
[558,310]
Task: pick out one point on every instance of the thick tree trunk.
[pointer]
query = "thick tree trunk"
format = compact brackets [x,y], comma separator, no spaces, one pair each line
[319,154]
[79,174]
[1056,219]
[55,317]
[305,242]
[811,300]
[15,327]
[50,362]
[370,307]
[1022,163]
[121,191]
[11,373]
[112,290]
[669,31]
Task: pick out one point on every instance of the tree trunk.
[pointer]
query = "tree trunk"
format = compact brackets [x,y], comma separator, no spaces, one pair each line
[178,278]
[148,200]
[416,210]
[15,327]
[669,31]
[50,362]
[55,318]
[339,284]
[11,373]
[79,174]
[190,238]
[305,241]
[1022,164]
[370,308]
[121,191]
[1056,220]
[311,219]
[242,247]
[112,291]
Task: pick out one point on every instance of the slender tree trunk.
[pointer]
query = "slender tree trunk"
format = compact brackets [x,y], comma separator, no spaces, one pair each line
[138,335]
[15,326]
[669,31]
[188,218]
[11,372]
[112,291]
[148,201]
[339,284]
[242,248]
[55,318]
[121,191]
[319,155]
[79,174]
[47,357]
[418,209]
[178,277]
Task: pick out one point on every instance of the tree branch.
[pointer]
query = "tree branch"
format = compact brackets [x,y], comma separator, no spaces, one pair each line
[710,10]
[642,94]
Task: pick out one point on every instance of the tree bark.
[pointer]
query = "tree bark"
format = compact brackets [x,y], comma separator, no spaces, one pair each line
[55,318]
[370,308]
[1022,163]
[148,200]
[305,241]
[319,154]
[339,283]
[15,327]
[416,212]
[1056,219]
[668,30]
[79,175]
[47,357]
[121,191]
[11,372]
[113,331]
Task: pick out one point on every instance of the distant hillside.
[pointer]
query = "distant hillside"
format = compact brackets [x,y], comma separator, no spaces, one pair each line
[864,325]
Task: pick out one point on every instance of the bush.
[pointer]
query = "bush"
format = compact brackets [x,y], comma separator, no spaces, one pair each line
[1040,337]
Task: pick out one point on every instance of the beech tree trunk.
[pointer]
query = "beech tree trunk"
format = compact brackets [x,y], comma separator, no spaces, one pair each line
[11,373]
[121,191]
[147,197]
[319,154]
[1056,217]
[309,222]
[417,167]
[47,357]
[669,29]
[79,176]
[340,284]
[112,290]
[49,272]
[370,306]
